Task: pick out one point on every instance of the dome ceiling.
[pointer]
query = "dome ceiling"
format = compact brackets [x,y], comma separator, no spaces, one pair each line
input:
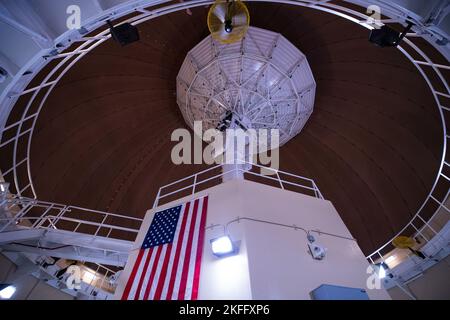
[373,143]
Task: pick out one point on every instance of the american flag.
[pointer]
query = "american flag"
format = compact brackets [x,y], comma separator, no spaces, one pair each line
[168,263]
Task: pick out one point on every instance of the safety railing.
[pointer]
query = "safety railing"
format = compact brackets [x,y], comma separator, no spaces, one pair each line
[20,132]
[96,282]
[102,283]
[420,228]
[26,213]
[214,175]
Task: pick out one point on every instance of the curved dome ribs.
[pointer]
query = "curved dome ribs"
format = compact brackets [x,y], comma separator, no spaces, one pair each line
[126,129]
[373,144]
[387,178]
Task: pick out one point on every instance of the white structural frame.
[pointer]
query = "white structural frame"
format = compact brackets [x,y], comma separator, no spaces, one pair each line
[98,288]
[287,82]
[145,12]
[53,215]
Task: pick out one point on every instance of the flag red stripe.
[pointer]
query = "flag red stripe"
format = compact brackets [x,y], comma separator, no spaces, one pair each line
[187,255]
[133,275]
[153,271]
[178,265]
[198,258]
[162,277]
[177,253]
[142,275]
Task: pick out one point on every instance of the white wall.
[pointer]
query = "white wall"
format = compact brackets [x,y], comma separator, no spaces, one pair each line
[281,266]
[273,262]
[220,278]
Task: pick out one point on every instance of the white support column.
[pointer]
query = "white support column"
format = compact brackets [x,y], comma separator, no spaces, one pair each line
[232,159]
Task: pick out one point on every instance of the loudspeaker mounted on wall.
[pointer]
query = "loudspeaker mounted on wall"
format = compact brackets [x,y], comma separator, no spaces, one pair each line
[124,34]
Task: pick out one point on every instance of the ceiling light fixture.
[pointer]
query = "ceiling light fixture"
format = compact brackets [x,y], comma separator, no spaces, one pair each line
[4,187]
[228,21]
[228,26]
[7,291]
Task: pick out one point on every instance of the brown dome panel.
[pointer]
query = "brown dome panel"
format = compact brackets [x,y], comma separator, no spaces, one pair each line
[373,143]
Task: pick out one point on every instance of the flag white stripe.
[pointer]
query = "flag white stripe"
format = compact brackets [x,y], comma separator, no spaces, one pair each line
[147,274]
[182,253]
[172,254]
[158,272]
[157,265]
[190,279]
[138,276]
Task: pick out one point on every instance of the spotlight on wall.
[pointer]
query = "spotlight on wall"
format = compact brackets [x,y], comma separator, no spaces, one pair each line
[124,34]
[223,246]
[7,291]
[388,37]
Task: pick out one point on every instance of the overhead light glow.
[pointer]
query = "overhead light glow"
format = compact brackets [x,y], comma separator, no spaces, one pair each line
[4,186]
[390,259]
[7,292]
[222,246]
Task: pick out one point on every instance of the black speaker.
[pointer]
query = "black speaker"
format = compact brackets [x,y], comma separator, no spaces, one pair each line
[124,34]
[384,37]
[388,37]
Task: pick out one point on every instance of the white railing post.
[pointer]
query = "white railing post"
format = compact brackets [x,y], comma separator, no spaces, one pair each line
[60,214]
[419,232]
[18,216]
[303,182]
[42,216]
[76,228]
[427,224]
[101,225]
[195,184]
[156,202]
[279,180]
